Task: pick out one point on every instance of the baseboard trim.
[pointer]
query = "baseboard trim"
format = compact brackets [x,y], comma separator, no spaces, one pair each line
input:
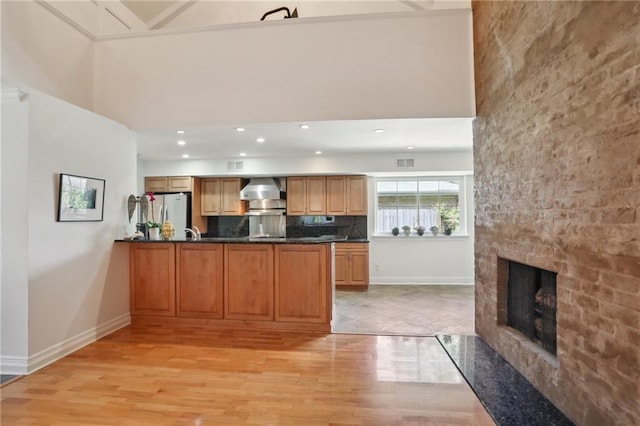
[422,280]
[53,353]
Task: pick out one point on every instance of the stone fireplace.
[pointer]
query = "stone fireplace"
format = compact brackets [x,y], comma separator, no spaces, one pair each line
[557,187]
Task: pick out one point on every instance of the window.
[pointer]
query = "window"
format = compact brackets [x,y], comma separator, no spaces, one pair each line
[422,201]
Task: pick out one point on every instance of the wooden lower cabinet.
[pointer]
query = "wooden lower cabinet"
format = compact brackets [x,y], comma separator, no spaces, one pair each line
[232,285]
[352,265]
[200,280]
[248,282]
[302,274]
[153,279]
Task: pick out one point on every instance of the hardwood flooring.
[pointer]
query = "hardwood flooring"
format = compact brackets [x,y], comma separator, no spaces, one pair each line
[146,375]
[413,310]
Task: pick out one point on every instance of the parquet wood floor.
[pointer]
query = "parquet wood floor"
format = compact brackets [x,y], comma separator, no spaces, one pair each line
[145,375]
[410,310]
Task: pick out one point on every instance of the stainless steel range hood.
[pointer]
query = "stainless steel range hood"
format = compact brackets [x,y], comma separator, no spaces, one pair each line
[263,189]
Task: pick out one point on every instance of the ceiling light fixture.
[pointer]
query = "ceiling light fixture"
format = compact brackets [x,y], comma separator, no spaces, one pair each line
[318,152]
[378,131]
[304,126]
[243,154]
[240,129]
[185,155]
[180,132]
[260,140]
[181,142]
[411,147]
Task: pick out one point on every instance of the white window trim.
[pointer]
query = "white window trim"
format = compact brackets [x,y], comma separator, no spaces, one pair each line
[463,230]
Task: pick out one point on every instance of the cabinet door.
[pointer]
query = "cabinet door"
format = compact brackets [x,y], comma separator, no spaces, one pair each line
[179,183]
[359,268]
[231,205]
[341,267]
[303,283]
[296,196]
[152,279]
[248,282]
[155,184]
[316,195]
[356,196]
[336,195]
[200,280]
[210,198]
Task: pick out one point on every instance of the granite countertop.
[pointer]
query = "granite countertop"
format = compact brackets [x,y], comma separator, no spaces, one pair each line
[252,240]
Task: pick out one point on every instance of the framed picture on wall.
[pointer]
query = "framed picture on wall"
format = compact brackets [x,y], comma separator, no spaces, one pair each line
[80,199]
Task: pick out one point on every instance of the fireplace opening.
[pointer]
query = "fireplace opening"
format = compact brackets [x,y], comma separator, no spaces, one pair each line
[531,303]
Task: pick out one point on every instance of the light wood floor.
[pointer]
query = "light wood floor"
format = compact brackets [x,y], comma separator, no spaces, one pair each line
[144,375]
[413,310]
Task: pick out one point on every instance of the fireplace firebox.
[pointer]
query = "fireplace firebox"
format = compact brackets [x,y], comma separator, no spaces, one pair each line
[531,303]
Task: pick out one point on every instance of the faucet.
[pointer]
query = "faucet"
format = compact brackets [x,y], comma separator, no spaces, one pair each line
[195,235]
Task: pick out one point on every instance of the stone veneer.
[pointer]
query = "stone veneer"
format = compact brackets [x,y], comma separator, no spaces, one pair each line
[557,186]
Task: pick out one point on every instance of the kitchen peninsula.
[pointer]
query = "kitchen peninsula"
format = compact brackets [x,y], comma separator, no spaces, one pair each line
[257,283]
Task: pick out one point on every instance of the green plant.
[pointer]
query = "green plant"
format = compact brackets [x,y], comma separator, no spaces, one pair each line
[449,216]
[395,231]
[406,228]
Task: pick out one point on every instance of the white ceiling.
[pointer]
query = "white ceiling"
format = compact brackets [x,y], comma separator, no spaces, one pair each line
[289,140]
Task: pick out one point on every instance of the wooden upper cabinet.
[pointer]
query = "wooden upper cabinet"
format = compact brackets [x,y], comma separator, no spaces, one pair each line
[303,283]
[356,189]
[248,282]
[152,279]
[168,184]
[200,280]
[210,200]
[296,196]
[316,195]
[231,204]
[336,195]
[221,197]
[180,183]
[306,195]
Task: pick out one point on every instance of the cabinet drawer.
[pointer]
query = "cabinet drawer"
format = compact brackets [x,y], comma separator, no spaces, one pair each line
[352,247]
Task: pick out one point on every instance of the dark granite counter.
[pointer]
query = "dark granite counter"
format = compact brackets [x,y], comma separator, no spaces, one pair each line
[254,240]
[508,396]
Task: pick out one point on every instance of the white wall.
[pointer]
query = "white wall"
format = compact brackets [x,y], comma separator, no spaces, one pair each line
[42,51]
[77,278]
[370,164]
[378,66]
[427,259]
[13,231]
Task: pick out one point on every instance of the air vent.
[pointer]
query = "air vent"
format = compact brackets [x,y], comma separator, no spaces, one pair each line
[404,163]
[235,165]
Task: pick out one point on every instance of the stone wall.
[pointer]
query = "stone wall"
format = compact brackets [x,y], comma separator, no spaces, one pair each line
[557,175]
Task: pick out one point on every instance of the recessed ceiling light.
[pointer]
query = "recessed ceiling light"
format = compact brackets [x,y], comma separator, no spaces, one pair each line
[181,142]
[180,132]
[378,131]
[304,126]
[243,154]
[318,152]
[185,155]
[411,147]
[260,140]
[240,129]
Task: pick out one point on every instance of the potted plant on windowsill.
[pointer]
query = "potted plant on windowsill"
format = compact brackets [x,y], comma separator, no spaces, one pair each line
[406,229]
[395,231]
[449,218]
[420,230]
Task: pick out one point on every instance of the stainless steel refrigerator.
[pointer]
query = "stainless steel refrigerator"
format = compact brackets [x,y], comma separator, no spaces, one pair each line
[177,209]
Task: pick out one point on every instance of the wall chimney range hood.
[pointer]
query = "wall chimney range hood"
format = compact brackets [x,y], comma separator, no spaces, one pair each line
[263,189]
